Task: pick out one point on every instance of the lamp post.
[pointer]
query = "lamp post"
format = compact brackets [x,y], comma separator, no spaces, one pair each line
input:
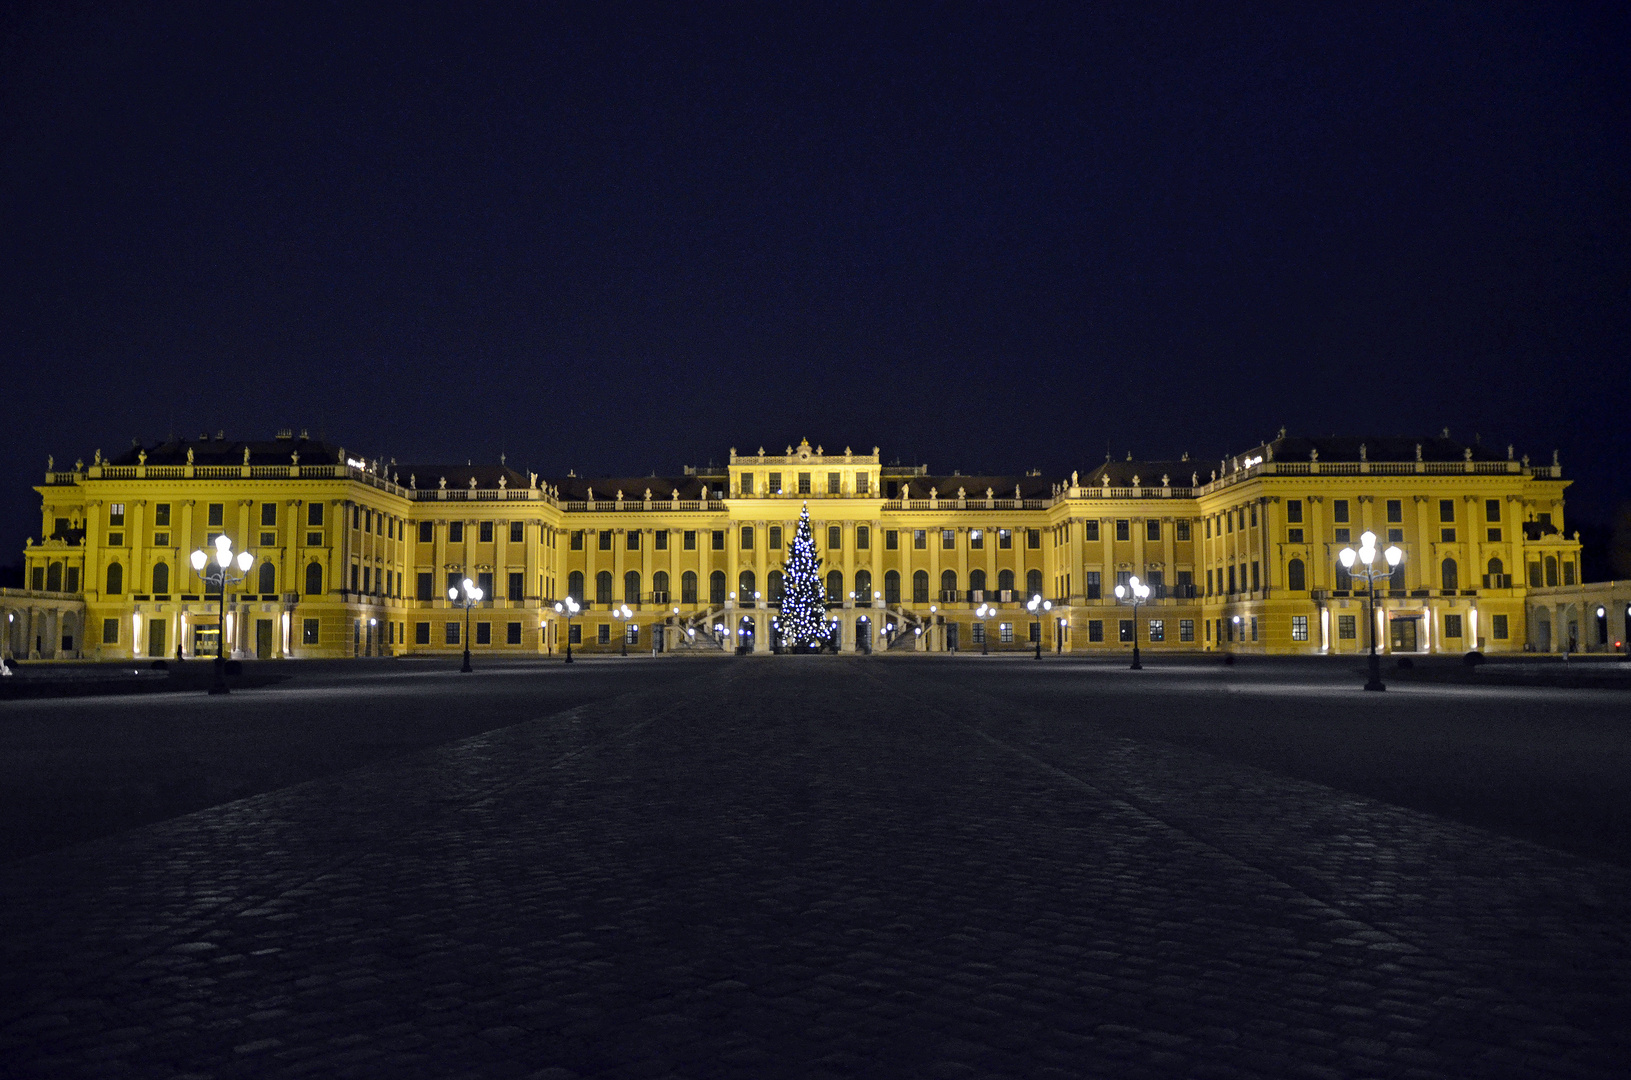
[1362,564]
[622,615]
[466,595]
[983,612]
[213,570]
[568,607]
[1038,607]
[1137,592]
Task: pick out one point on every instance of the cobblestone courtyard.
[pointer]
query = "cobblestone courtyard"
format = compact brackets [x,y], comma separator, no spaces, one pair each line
[898,867]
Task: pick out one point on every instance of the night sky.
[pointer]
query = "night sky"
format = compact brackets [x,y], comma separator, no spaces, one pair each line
[626,238]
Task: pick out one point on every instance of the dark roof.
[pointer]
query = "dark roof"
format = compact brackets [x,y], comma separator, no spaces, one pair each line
[1393,448]
[1149,473]
[458,476]
[1002,487]
[231,452]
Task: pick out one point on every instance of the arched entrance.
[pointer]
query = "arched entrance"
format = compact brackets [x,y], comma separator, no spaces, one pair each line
[744,635]
[863,634]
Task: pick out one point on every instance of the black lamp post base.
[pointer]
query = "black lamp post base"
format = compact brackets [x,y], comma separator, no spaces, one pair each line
[466,666]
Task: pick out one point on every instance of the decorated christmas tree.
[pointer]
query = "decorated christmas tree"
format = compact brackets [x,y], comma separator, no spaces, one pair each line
[803,621]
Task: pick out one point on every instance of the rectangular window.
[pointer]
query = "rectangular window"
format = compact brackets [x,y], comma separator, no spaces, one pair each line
[1395,511]
[1095,630]
[1033,539]
[217,514]
[948,539]
[1209,528]
[421,632]
[576,543]
[517,586]
[1446,536]
[512,633]
[1124,529]
[804,483]
[517,532]
[775,538]
[863,483]
[450,633]
[863,538]
[632,540]
[1186,629]
[1005,633]
[604,539]
[719,540]
[832,483]
[631,633]
[891,539]
[835,538]
[1183,530]
[159,540]
[775,483]
[1126,630]
[268,514]
[161,514]
[978,636]
[1339,511]
[1294,510]
[603,634]
[1034,634]
[1299,628]
[484,633]
[1452,626]
[1095,587]
[660,540]
[110,631]
[689,540]
[574,634]
[1344,536]
[455,532]
[1446,509]
[747,483]
[1005,539]
[747,538]
[426,586]
[268,539]
[1255,579]
[1494,535]
[314,514]
[1294,536]
[1492,510]
[1395,536]
[920,539]
[484,582]
[1231,579]
[1158,630]
[976,539]
[1229,521]
[1497,627]
[453,580]
[116,514]
[1254,627]
[1568,572]
[1152,529]
[427,533]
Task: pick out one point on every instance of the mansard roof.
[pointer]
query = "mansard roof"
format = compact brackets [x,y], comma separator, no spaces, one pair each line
[458,476]
[1376,448]
[1002,487]
[1180,473]
[231,452]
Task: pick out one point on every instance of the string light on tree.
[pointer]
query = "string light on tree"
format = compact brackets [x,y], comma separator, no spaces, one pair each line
[803,621]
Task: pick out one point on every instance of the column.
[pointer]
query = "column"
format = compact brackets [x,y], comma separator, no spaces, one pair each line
[501,564]
[139,580]
[1107,553]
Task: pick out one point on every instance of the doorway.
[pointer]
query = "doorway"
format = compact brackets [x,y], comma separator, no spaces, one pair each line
[951,637]
[263,639]
[155,637]
[1402,635]
[863,634]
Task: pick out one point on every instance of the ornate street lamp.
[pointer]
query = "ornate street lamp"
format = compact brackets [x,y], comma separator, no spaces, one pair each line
[622,615]
[1137,592]
[984,612]
[568,607]
[1038,607]
[214,570]
[467,595]
[1362,564]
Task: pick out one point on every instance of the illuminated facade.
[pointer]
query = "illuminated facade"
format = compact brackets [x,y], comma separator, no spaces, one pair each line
[354,557]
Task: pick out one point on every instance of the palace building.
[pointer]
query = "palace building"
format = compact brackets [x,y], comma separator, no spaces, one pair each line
[354,557]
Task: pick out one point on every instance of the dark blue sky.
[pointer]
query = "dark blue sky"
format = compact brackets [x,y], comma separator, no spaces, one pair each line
[987,238]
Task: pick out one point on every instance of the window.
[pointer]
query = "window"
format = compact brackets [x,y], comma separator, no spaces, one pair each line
[832,483]
[659,540]
[1494,535]
[603,540]
[747,483]
[976,539]
[518,532]
[631,587]
[603,634]
[1497,627]
[576,543]
[1183,530]
[1095,585]
[1254,627]
[1005,633]
[110,631]
[747,538]
[1209,528]
[603,588]
[891,539]
[427,533]
[631,633]
[161,514]
[425,586]
[1254,515]
[116,514]
[719,539]
[948,539]
[1152,529]
[1294,536]
[689,540]
[1126,629]
[891,587]
[688,587]
[920,587]
[161,578]
[1090,531]
[659,587]
[518,588]
[512,633]
[804,483]
[1347,627]
[1492,511]
[631,540]
[1296,577]
[1231,579]
[421,631]
[775,538]
[268,514]
[1395,536]
[116,578]
[1033,582]
[1446,510]
[1534,575]
[314,514]
[835,587]
[775,485]
[1005,539]
[267,583]
[455,532]
[1344,536]
[948,585]
[450,633]
[1449,579]
[1158,630]
[774,584]
[1447,536]
[574,585]
[1124,529]
[1294,510]
[216,515]
[1339,511]
[1568,571]
[979,633]
[716,587]
[1033,539]
[484,633]
[976,580]
[574,634]
[920,539]
[863,537]
[1395,511]
[1299,628]
[1452,626]
[1255,578]
[314,579]
[1095,630]
[1186,629]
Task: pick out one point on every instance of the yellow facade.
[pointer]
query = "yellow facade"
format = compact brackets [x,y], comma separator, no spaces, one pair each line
[354,557]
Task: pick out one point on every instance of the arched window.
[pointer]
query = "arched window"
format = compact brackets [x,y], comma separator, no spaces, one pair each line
[920,587]
[631,587]
[603,588]
[574,585]
[835,587]
[777,588]
[976,580]
[1344,580]
[161,578]
[659,587]
[1496,567]
[268,578]
[314,579]
[1551,572]
[1449,578]
[116,577]
[1296,576]
[688,587]
[716,587]
[863,586]
[746,584]
[891,587]
[53,577]
[1005,581]
[1033,583]
[948,585]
